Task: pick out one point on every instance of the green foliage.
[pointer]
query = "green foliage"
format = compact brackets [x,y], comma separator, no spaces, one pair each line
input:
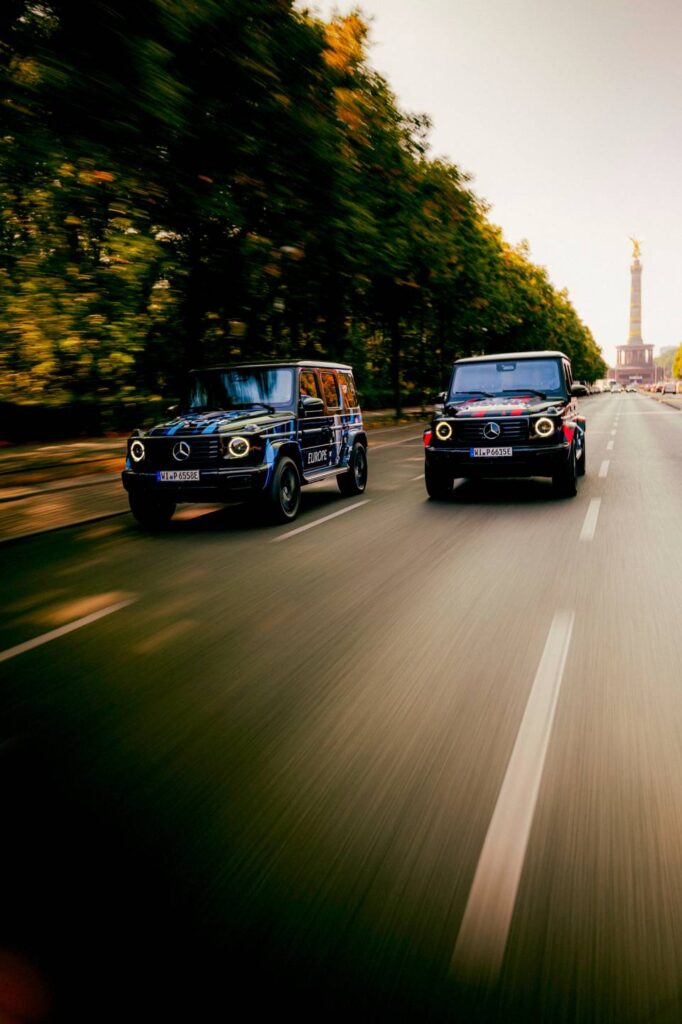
[677,364]
[230,179]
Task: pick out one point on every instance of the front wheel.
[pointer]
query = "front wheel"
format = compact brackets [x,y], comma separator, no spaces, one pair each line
[582,465]
[151,511]
[284,493]
[565,480]
[354,480]
[438,484]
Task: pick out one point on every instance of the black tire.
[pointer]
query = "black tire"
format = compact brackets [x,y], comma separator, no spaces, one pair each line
[438,484]
[565,480]
[582,461]
[354,480]
[283,498]
[152,511]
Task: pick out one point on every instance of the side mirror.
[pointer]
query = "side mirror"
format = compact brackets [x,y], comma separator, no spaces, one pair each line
[578,389]
[310,406]
[440,397]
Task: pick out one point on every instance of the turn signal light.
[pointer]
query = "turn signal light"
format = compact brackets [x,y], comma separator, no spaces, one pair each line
[428,436]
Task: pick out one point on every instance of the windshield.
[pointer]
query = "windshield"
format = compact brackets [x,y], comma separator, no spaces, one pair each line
[239,388]
[511,377]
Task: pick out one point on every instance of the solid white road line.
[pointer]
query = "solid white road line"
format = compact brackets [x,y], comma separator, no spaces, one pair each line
[591,516]
[54,634]
[609,446]
[318,522]
[604,468]
[482,938]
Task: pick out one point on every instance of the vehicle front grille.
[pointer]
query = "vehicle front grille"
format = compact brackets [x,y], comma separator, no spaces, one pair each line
[203,451]
[471,432]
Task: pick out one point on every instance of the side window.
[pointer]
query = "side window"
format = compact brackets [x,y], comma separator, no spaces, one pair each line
[308,384]
[350,397]
[331,391]
[569,375]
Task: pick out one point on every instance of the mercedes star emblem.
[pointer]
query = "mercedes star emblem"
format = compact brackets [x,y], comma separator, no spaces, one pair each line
[492,430]
[181,451]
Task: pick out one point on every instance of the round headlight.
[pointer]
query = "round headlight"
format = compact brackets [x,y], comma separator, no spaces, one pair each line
[443,431]
[137,451]
[238,447]
[544,426]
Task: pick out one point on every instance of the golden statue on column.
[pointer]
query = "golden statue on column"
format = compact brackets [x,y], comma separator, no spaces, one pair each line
[636,247]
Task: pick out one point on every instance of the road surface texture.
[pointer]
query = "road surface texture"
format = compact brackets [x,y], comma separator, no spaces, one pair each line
[401,760]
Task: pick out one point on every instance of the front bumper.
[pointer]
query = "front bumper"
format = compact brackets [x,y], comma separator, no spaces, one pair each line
[213,484]
[525,460]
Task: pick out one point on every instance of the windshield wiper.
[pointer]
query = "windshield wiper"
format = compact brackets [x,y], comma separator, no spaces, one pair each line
[483,394]
[523,391]
[249,405]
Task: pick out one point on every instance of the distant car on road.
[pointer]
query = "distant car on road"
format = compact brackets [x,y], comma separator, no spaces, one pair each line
[511,415]
[616,389]
[253,432]
[631,389]
[672,387]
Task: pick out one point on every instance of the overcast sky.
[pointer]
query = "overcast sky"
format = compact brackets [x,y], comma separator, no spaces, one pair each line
[568,115]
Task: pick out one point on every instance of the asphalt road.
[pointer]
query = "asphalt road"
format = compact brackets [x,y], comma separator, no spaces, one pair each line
[413,761]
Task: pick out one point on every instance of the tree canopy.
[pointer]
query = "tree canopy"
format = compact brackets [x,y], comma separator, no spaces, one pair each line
[231,179]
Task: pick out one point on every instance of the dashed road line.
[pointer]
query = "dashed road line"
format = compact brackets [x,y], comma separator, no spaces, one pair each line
[482,937]
[393,444]
[604,468]
[609,446]
[590,522]
[54,634]
[318,522]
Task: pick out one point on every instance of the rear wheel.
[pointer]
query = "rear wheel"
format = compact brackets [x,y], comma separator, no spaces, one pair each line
[565,480]
[151,511]
[438,484]
[284,493]
[354,480]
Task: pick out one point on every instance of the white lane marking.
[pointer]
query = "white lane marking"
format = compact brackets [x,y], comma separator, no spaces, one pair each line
[392,444]
[613,433]
[420,477]
[318,522]
[402,426]
[54,634]
[591,516]
[604,468]
[609,446]
[483,932]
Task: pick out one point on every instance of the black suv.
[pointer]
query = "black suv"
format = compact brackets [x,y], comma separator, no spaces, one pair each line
[256,431]
[506,416]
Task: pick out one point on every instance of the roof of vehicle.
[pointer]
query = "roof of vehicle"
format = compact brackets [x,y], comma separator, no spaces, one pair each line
[312,363]
[497,356]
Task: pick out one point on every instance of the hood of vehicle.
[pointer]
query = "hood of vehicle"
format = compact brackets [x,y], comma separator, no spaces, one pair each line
[524,405]
[193,424]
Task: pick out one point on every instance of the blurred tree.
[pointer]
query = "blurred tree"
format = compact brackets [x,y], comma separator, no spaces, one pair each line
[677,364]
[230,179]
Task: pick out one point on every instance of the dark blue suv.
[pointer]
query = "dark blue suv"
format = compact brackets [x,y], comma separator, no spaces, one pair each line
[250,432]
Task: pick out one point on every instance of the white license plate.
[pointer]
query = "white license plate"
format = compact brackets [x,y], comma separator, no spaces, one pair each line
[177,475]
[491,453]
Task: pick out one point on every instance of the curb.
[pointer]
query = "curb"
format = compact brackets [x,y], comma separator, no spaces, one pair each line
[64,526]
